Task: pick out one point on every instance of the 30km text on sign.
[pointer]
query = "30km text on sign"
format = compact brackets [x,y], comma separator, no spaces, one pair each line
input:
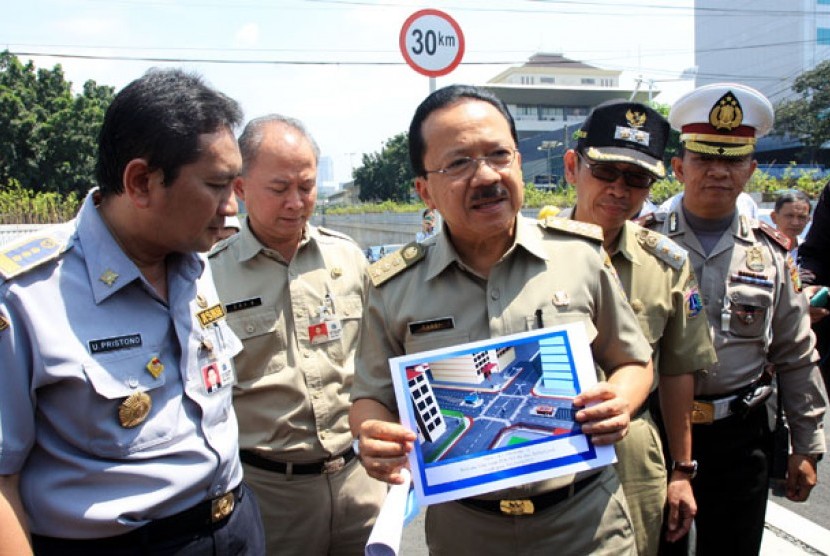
[432,43]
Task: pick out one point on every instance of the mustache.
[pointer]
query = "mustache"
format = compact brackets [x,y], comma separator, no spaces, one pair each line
[492,192]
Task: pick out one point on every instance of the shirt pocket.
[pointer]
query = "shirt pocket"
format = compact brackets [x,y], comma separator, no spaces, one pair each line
[749,309]
[264,344]
[113,380]
[437,339]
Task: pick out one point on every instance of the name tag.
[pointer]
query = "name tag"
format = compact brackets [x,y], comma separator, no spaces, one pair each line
[424,326]
[244,304]
[114,344]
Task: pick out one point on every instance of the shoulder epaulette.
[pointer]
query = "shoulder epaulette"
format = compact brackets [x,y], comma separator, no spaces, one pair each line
[396,262]
[335,233]
[574,227]
[773,234]
[663,248]
[33,250]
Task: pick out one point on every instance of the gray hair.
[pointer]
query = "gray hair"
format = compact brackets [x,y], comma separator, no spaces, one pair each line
[252,135]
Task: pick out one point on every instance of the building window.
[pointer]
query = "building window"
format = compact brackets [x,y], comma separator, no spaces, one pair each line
[526,112]
[588,81]
[607,82]
[527,80]
[576,112]
[823,36]
[550,113]
[552,80]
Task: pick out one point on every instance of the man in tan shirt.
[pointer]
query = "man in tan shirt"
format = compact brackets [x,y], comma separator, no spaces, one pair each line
[491,273]
[294,295]
[618,157]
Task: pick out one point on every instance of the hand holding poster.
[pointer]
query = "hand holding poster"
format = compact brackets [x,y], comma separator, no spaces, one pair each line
[497,413]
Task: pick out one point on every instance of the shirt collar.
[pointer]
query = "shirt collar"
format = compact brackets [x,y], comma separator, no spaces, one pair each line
[248,246]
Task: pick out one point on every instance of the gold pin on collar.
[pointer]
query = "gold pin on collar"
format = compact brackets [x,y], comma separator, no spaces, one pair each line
[108,277]
[336,272]
[201,301]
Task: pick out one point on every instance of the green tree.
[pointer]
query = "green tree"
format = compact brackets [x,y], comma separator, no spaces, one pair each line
[48,135]
[386,175]
[673,143]
[808,116]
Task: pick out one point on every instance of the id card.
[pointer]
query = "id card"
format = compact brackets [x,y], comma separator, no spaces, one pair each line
[326,331]
[217,375]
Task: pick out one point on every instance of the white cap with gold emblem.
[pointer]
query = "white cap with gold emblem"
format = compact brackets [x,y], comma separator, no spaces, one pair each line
[722,119]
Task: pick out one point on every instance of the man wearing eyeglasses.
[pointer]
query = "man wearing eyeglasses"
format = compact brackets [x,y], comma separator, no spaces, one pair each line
[619,155]
[752,300]
[491,273]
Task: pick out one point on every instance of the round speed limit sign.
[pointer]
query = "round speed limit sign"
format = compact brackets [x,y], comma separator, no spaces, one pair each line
[432,43]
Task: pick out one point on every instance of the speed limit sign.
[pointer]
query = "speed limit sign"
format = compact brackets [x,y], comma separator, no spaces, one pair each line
[432,43]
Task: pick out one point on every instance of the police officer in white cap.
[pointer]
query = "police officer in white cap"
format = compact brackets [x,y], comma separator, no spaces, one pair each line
[752,300]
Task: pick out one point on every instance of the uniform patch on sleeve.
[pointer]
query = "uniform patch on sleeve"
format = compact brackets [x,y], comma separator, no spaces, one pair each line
[794,275]
[694,305]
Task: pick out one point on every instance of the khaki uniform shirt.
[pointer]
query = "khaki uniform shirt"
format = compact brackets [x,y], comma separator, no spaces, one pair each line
[757,315]
[541,263]
[292,396]
[663,292]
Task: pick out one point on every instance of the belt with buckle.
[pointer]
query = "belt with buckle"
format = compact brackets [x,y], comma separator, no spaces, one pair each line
[534,504]
[706,412]
[192,521]
[332,465]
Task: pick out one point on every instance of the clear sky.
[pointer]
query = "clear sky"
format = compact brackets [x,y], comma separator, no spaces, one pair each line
[336,64]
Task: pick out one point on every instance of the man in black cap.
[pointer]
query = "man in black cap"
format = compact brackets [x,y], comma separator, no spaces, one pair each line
[617,158]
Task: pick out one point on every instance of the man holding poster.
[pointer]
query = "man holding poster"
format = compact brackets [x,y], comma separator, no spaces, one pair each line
[493,273]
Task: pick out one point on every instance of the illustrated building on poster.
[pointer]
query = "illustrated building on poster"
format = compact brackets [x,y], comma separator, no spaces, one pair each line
[473,368]
[428,415]
[557,367]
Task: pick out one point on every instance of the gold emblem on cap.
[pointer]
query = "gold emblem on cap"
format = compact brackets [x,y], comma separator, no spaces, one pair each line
[336,272]
[134,410]
[201,301]
[108,277]
[755,259]
[635,119]
[726,114]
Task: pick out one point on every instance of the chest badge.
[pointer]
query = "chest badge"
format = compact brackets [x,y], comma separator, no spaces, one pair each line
[561,299]
[155,367]
[134,410]
[755,259]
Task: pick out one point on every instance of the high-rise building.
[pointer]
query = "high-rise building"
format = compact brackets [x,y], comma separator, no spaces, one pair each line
[765,44]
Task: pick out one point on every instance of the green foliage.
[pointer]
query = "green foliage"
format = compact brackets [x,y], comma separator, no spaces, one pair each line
[386,175]
[807,117]
[665,188]
[24,206]
[48,135]
[673,144]
[537,198]
[370,208]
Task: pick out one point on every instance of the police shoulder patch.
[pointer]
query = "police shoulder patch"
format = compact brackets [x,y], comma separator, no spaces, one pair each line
[663,248]
[775,235]
[33,250]
[396,262]
[573,227]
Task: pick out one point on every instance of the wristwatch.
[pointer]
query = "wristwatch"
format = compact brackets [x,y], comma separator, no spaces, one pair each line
[686,467]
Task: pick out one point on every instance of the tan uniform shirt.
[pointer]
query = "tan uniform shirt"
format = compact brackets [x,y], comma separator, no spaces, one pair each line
[292,396]
[755,322]
[663,292]
[541,263]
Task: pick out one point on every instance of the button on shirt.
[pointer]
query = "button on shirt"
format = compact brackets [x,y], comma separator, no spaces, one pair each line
[561,276]
[292,397]
[754,323]
[81,333]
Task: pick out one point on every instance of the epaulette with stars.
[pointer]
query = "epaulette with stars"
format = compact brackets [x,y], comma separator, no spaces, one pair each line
[663,248]
[774,235]
[573,227]
[33,250]
[396,262]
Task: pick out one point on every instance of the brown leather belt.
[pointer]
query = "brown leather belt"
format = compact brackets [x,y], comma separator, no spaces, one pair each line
[534,504]
[332,465]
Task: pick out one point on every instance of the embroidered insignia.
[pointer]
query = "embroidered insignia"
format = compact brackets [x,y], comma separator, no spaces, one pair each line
[727,113]
[393,263]
[755,258]
[108,277]
[28,253]
[794,275]
[635,119]
[210,315]
[694,305]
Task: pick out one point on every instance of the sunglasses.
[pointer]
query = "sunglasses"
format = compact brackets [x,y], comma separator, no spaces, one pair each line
[610,173]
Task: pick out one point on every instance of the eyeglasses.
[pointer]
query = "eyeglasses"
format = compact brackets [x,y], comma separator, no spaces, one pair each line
[466,166]
[610,173]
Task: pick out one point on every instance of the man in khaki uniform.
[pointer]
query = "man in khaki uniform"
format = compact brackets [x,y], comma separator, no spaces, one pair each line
[492,273]
[294,295]
[754,306]
[618,156]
